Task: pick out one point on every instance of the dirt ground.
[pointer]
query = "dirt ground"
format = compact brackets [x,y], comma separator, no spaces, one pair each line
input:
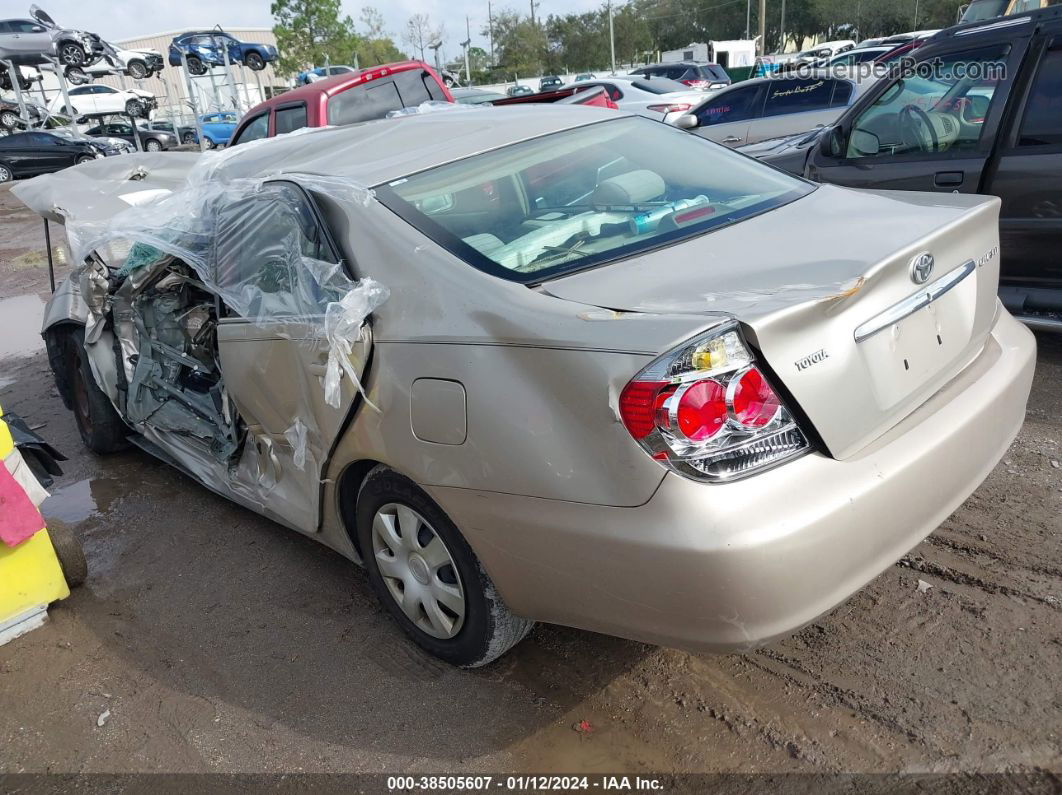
[214,640]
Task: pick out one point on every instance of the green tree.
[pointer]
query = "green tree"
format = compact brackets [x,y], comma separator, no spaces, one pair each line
[375,45]
[309,32]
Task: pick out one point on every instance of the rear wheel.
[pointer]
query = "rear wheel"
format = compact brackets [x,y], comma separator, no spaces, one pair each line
[209,144]
[188,138]
[152,145]
[428,578]
[101,429]
[9,120]
[255,61]
[70,554]
[196,66]
[76,75]
[72,54]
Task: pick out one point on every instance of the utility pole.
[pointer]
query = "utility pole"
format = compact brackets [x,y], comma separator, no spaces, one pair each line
[763,27]
[748,20]
[533,4]
[490,31]
[916,15]
[781,30]
[611,37]
[464,46]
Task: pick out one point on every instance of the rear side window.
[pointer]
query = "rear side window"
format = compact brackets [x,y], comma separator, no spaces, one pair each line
[739,104]
[288,119]
[797,96]
[255,129]
[362,103]
[1042,125]
[842,94]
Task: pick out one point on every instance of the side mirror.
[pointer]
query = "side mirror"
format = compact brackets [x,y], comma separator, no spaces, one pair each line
[865,143]
[686,122]
[81,120]
[832,142]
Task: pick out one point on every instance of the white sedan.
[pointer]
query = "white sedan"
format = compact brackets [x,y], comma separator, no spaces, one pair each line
[654,97]
[99,98]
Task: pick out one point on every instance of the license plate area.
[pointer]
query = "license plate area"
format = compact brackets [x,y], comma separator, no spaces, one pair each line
[913,347]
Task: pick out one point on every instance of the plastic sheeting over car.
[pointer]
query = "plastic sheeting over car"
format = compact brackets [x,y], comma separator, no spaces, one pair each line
[188,207]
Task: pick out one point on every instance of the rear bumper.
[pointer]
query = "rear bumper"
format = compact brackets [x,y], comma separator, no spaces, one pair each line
[733,566]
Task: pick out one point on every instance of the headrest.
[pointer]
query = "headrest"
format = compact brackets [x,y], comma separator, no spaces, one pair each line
[634,187]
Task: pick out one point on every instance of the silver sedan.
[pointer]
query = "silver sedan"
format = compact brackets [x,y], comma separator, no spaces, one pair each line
[545,365]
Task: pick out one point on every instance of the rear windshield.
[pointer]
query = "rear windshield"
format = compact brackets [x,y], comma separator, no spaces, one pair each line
[713,71]
[659,85]
[579,198]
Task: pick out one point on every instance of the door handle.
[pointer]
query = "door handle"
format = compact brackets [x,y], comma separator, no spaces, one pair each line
[949,179]
[731,139]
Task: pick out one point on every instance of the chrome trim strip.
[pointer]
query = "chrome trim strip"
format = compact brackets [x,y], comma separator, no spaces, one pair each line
[920,300]
[1041,323]
[1007,23]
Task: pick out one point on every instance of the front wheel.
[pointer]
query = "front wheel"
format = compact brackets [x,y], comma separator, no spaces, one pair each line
[101,429]
[10,120]
[6,175]
[152,146]
[137,70]
[72,54]
[134,108]
[255,61]
[70,554]
[83,159]
[427,576]
[188,138]
[195,65]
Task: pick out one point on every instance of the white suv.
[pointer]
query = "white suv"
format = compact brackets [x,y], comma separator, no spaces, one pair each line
[98,98]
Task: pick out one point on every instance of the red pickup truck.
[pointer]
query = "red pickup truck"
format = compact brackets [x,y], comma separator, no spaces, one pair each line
[344,99]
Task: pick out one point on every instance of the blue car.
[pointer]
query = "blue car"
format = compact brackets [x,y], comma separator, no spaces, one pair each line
[217,128]
[204,49]
[321,72]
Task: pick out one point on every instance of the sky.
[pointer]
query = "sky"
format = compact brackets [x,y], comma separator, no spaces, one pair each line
[99,16]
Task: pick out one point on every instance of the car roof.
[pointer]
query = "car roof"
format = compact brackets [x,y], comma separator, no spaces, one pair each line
[375,152]
[1005,25]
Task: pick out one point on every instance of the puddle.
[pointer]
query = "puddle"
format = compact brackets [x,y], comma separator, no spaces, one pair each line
[20,325]
[82,500]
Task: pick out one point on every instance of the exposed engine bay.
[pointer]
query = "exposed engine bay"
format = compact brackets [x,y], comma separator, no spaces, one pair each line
[166,330]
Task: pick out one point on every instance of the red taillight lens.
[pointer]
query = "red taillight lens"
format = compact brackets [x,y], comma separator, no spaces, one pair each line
[706,411]
[670,108]
[702,410]
[753,401]
[638,405]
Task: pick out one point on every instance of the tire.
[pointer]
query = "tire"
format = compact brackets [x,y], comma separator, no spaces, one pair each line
[101,429]
[195,65]
[72,54]
[83,159]
[254,61]
[70,554]
[152,145]
[188,138]
[77,75]
[10,120]
[209,144]
[134,108]
[71,112]
[477,633]
[137,70]
[6,174]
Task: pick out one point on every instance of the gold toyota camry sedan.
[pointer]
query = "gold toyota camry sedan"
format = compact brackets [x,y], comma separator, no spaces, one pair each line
[545,364]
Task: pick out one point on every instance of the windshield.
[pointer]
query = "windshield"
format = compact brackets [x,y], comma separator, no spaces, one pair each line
[581,197]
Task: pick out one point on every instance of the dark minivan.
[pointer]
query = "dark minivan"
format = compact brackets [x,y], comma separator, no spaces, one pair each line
[982,113]
[692,74]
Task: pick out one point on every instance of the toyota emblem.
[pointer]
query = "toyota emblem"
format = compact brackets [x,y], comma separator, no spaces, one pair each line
[922,268]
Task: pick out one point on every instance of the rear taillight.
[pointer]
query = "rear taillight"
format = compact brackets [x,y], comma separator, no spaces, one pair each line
[696,83]
[674,107]
[708,412]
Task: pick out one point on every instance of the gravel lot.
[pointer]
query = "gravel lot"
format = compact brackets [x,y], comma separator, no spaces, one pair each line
[219,641]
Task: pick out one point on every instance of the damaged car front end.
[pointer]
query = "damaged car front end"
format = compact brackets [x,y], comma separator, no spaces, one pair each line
[539,365]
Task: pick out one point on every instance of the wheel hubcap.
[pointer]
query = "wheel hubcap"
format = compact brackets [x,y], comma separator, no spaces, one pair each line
[5,175]
[418,570]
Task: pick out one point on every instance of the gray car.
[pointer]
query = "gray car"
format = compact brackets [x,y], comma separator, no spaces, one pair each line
[27,42]
[770,107]
[545,365]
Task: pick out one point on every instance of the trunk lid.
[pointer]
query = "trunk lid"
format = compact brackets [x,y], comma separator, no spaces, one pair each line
[824,290]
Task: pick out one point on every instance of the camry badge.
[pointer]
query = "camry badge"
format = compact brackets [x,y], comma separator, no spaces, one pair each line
[922,268]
